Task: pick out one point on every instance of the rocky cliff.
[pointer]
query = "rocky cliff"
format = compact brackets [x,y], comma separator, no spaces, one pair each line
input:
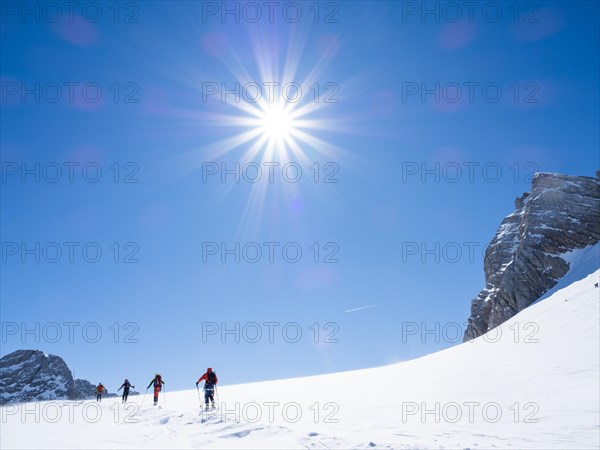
[31,375]
[523,261]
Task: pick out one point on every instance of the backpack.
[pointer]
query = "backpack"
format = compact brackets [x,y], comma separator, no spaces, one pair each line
[211,377]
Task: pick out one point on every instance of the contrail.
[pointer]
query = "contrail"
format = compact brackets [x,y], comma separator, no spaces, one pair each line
[363,307]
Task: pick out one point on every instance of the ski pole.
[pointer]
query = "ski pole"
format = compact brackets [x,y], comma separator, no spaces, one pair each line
[217,394]
[144,397]
[164,395]
[199,398]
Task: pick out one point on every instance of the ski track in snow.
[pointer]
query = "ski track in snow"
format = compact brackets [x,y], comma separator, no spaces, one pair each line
[546,361]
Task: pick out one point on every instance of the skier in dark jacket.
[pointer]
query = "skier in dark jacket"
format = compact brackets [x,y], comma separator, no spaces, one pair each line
[209,387]
[158,384]
[125,386]
[100,390]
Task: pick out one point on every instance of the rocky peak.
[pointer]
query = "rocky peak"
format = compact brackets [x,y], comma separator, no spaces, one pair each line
[31,375]
[523,260]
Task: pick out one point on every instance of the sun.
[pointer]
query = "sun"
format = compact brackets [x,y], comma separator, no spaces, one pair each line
[280,114]
[276,123]
[279,108]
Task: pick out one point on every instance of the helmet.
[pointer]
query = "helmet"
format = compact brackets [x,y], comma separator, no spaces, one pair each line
[126,380]
[209,370]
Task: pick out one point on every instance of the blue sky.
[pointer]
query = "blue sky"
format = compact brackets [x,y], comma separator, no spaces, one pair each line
[380,138]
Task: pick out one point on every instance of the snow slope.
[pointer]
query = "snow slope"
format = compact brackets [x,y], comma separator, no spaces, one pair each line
[582,262]
[531,383]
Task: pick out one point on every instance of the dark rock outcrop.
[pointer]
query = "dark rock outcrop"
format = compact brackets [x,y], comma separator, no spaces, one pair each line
[560,214]
[84,389]
[31,375]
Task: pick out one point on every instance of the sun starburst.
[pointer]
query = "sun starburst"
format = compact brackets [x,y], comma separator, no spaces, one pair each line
[278,125]
[282,121]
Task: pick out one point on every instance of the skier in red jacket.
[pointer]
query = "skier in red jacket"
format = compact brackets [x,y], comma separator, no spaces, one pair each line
[158,382]
[209,387]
